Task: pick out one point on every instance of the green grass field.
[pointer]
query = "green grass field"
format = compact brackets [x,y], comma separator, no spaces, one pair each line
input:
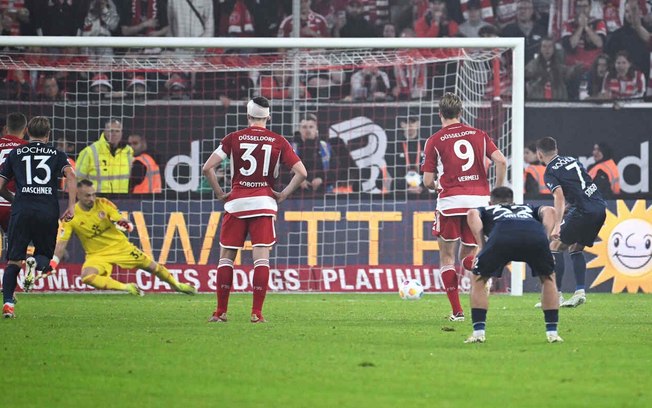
[322,351]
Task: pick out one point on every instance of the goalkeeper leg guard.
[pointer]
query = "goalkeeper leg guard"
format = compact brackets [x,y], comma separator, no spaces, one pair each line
[104,283]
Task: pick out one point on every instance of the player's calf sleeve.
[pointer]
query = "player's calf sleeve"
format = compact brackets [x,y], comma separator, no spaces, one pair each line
[560,266]
[261,280]
[9,283]
[103,282]
[579,268]
[224,282]
[479,318]
[164,274]
[449,277]
[551,318]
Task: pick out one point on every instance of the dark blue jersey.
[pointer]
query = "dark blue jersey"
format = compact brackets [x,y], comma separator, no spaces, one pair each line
[579,189]
[36,168]
[520,216]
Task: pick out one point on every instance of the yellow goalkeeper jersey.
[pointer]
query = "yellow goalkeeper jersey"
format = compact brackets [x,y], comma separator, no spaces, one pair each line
[95,228]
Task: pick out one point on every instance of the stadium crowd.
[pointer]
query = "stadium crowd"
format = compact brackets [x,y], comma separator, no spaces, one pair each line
[575,49]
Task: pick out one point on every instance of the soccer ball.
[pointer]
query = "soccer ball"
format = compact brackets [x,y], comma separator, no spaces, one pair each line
[413,179]
[410,289]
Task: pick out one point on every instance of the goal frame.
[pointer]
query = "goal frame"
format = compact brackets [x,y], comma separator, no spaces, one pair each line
[518,73]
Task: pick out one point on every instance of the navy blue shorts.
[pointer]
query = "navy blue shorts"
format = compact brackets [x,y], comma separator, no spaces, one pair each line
[31,227]
[581,227]
[528,244]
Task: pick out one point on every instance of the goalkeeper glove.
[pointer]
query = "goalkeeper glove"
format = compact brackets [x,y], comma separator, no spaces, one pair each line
[54,262]
[124,226]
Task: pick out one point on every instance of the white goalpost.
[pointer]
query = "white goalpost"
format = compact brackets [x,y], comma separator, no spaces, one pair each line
[200,85]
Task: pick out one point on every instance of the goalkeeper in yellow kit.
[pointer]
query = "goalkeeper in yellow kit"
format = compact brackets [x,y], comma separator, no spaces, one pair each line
[98,224]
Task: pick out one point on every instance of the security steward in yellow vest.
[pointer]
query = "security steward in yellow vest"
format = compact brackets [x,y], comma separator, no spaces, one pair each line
[604,171]
[145,173]
[107,162]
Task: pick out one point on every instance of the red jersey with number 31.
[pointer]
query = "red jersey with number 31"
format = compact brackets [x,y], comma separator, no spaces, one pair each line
[256,154]
[456,154]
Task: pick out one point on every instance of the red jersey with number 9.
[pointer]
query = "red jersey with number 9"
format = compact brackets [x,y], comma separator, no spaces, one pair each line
[456,154]
[256,154]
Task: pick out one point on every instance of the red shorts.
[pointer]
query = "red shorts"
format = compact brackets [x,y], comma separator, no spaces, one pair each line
[234,231]
[452,228]
[5,213]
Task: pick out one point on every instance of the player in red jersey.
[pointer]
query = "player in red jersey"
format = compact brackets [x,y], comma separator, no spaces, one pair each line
[454,165]
[11,139]
[250,208]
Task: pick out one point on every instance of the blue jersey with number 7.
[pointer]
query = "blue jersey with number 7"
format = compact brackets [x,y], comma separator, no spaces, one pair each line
[36,168]
[579,189]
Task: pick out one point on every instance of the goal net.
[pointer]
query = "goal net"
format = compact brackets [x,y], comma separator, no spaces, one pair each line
[357,114]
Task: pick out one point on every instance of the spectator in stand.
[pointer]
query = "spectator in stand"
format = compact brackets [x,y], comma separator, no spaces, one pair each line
[101,21]
[312,24]
[145,174]
[107,162]
[58,17]
[137,86]
[404,158]
[627,39]
[595,77]
[624,81]
[533,181]
[583,36]
[15,18]
[490,31]
[247,18]
[146,18]
[542,10]
[474,21]
[435,22]
[389,31]
[604,171]
[526,26]
[316,155]
[505,12]
[51,91]
[191,18]
[546,75]
[410,79]
[177,87]
[18,85]
[356,24]
[278,85]
[645,35]
[406,13]
[486,10]
[370,84]
[100,87]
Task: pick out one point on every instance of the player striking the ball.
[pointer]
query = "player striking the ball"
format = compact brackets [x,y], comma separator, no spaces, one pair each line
[99,226]
[256,154]
[454,164]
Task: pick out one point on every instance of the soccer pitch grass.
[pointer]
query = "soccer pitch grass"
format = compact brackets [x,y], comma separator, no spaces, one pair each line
[322,351]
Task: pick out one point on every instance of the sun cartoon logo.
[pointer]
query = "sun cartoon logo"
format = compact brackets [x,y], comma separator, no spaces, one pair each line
[625,250]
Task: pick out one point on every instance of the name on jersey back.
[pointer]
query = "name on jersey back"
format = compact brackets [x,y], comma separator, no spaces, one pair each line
[455,135]
[253,138]
[36,190]
[36,150]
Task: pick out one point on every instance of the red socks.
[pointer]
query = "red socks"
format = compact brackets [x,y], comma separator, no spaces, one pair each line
[261,279]
[224,282]
[449,277]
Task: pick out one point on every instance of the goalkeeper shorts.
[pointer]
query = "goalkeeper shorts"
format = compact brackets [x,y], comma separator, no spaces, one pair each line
[125,256]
